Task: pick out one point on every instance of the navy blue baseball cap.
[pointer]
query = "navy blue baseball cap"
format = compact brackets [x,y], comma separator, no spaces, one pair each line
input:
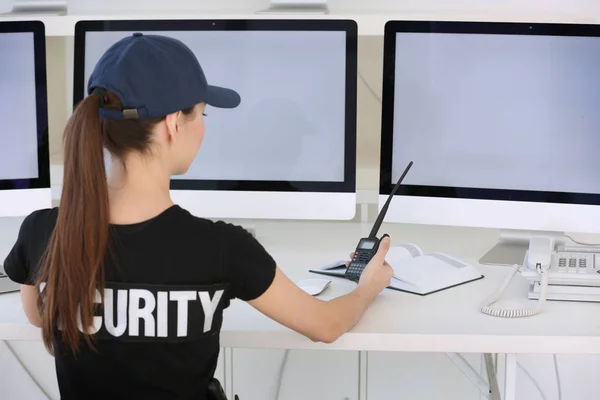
[154,76]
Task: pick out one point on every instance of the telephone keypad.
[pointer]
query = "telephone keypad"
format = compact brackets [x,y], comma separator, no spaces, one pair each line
[571,262]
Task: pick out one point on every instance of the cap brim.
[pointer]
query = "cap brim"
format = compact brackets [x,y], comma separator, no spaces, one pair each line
[222,98]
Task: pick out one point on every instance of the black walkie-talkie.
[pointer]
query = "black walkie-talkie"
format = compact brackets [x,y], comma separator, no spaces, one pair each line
[367,247]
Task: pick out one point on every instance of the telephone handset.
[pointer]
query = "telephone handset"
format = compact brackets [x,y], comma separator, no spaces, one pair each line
[539,253]
[367,247]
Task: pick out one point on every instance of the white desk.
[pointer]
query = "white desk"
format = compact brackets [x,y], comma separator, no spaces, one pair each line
[447,321]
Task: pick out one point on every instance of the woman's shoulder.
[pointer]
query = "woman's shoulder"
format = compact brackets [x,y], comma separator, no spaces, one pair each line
[35,231]
[216,226]
[40,220]
[226,235]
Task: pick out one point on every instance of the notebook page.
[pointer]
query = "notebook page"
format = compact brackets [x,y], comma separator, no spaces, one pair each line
[430,273]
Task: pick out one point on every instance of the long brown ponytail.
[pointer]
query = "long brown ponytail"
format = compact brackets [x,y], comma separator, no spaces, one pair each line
[72,268]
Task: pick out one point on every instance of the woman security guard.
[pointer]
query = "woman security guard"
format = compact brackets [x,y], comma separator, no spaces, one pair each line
[129,288]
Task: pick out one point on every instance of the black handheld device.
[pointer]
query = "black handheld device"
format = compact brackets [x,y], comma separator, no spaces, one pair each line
[367,247]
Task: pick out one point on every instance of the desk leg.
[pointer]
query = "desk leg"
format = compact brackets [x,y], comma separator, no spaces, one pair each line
[228,372]
[362,374]
[492,374]
[510,377]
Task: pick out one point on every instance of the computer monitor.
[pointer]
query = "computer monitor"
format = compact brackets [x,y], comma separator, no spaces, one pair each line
[288,151]
[24,150]
[501,121]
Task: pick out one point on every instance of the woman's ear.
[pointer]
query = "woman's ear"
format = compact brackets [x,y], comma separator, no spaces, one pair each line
[172,124]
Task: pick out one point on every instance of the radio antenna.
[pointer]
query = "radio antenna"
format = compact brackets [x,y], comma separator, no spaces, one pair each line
[385,207]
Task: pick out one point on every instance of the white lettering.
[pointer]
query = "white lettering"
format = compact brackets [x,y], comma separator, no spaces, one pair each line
[182,298]
[162,314]
[209,307]
[109,318]
[136,313]
[133,305]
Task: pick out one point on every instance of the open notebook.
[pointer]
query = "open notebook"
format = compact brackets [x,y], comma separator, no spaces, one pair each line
[416,272]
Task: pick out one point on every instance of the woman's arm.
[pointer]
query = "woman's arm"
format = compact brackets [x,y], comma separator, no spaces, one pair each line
[324,321]
[29,298]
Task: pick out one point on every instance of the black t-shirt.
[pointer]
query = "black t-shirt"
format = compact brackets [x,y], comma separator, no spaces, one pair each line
[167,283]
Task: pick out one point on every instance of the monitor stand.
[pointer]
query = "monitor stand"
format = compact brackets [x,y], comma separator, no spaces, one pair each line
[512,245]
[296,7]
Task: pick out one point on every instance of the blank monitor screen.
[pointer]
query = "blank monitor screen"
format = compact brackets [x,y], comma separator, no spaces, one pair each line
[294,131]
[493,111]
[24,158]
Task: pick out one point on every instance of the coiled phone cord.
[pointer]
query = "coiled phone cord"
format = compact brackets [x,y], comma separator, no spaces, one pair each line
[487,308]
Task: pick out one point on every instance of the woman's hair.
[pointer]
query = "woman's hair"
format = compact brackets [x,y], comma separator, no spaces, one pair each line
[72,268]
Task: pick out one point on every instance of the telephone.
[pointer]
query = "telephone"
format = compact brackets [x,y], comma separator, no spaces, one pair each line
[367,247]
[576,266]
[573,275]
[554,273]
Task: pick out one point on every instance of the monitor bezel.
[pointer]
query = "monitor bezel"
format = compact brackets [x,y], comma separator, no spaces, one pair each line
[387,121]
[348,26]
[37,28]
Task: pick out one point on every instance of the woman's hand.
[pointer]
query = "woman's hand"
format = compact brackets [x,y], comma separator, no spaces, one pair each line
[377,275]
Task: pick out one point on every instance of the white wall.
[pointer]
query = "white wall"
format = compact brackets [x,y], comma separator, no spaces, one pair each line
[441,8]
[332,375]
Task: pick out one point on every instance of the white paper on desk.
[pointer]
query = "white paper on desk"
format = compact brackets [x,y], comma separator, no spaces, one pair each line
[426,273]
[335,265]
[336,268]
